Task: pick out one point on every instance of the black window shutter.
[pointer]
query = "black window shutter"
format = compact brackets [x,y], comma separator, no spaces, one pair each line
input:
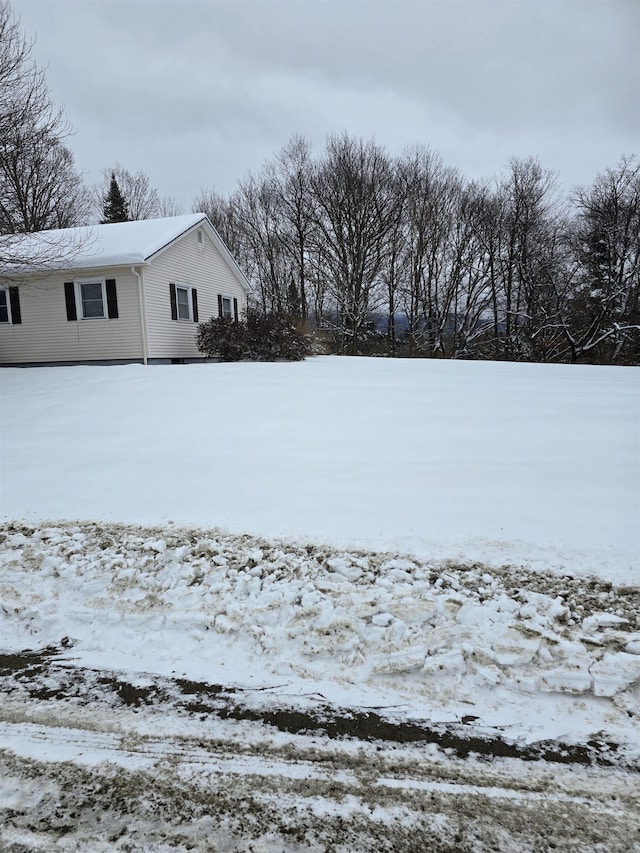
[70,300]
[194,300]
[235,309]
[174,304]
[219,305]
[112,299]
[14,299]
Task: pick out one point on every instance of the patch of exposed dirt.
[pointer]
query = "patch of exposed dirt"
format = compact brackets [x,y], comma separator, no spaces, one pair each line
[37,674]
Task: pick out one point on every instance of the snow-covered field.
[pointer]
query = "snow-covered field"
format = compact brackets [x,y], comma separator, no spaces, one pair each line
[404,594]
[496,462]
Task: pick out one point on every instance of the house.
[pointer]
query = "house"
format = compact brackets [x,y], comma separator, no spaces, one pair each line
[126,292]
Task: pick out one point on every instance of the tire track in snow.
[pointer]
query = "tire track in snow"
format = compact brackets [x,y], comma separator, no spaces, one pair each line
[140,792]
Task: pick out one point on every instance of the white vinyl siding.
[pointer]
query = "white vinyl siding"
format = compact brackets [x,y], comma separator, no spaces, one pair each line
[188,263]
[46,335]
[97,334]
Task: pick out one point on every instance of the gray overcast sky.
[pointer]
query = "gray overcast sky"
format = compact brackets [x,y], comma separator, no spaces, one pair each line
[197,94]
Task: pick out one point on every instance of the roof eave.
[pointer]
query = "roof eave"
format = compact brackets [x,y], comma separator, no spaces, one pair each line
[218,242]
[177,237]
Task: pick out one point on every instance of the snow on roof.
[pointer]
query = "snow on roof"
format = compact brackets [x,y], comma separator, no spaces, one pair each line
[117,244]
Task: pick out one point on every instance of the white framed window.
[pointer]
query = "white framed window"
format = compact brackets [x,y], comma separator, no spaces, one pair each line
[91,298]
[226,307]
[183,302]
[5,306]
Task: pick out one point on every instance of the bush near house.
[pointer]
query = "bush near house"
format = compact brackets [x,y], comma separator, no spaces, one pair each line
[261,337]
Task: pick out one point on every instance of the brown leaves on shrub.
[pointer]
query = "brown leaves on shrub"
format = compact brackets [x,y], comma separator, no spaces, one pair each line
[261,337]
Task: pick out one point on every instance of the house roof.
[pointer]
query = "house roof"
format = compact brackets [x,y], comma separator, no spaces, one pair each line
[96,246]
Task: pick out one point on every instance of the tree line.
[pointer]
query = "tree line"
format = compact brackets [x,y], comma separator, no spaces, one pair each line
[397,255]
[404,256]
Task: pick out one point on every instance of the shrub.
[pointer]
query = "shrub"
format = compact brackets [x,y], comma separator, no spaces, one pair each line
[262,337]
[223,339]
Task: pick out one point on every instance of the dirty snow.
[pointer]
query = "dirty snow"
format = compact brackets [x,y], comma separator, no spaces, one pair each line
[532,655]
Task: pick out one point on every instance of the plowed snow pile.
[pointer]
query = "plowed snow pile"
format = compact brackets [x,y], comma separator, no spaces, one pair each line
[527,653]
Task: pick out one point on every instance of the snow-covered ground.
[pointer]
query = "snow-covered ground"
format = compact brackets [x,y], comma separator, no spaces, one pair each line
[496,462]
[435,558]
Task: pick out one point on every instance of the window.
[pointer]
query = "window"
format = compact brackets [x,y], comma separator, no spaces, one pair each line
[10,306]
[91,299]
[226,310]
[182,301]
[227,307]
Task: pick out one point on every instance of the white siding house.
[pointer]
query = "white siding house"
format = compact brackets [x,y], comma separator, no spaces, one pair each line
[131,291]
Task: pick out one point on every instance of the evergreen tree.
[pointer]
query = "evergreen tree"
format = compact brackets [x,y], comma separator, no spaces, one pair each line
[114,208]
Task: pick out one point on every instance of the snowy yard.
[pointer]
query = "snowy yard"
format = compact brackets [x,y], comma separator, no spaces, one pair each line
[373,599]
[497,462]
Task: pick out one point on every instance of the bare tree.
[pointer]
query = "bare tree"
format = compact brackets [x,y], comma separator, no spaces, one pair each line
[482,270]
[24,97]
[599,299]
[267,224]
[39,187]
[143,201]
[356,208]
[516,224]
[224,214]
[464,295]
[526,268]
[291,177]
[430,192]
[258,209]
[395,270]
[168,206]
